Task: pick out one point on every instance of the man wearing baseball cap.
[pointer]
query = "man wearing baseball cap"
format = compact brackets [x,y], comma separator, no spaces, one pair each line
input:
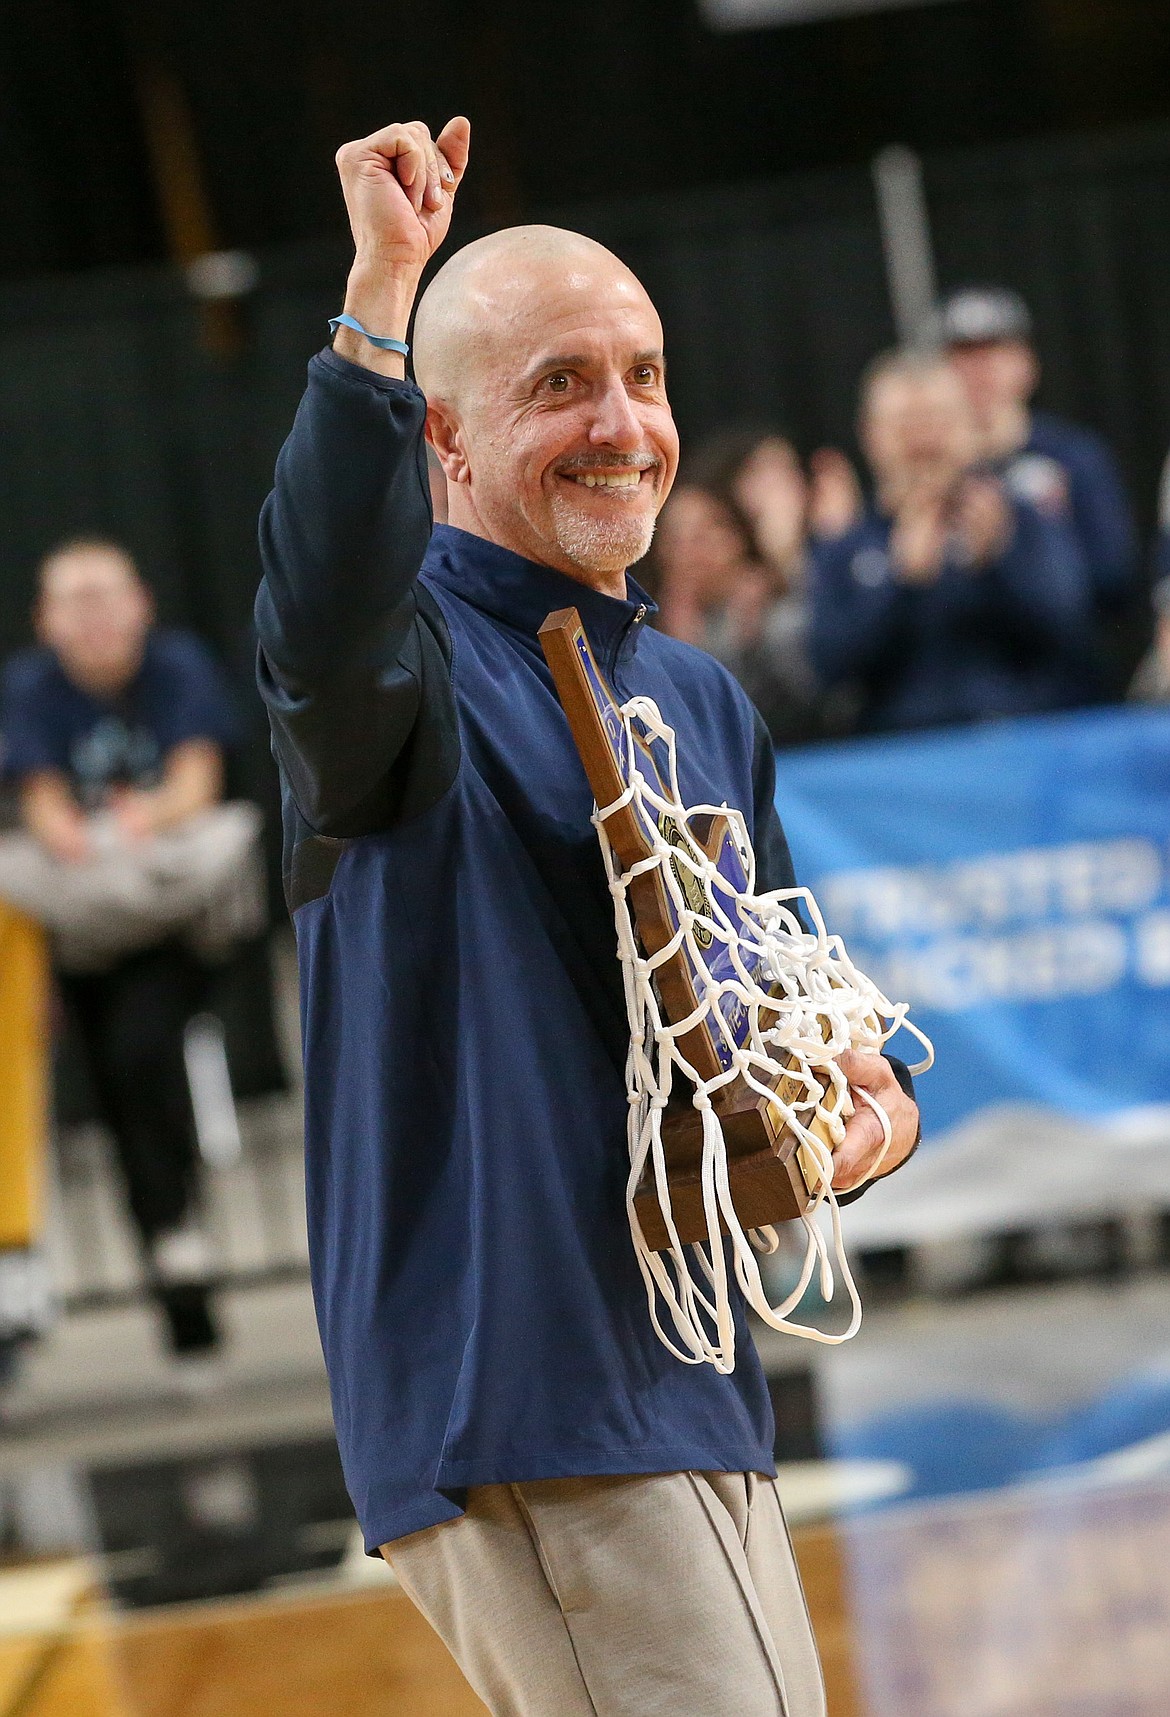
[1061,469]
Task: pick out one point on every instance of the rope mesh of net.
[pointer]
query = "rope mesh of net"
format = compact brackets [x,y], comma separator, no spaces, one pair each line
[804,1002]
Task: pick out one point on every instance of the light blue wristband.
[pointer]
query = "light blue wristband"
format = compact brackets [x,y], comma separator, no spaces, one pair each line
[383,344]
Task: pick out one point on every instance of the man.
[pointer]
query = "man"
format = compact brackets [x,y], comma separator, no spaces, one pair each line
[590,1524]
[113,721]
[952,600]
[1066,472]
[1151,680]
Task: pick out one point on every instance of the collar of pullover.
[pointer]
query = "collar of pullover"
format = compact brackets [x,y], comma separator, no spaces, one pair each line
[523,593]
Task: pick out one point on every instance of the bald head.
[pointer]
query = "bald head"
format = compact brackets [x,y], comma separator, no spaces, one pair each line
[497,290]
[540,354]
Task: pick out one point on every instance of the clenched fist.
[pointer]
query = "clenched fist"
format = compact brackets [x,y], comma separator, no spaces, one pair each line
[863,1151]
[399,186]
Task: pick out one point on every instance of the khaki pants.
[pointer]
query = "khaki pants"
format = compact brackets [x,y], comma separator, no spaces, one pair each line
[671,1595]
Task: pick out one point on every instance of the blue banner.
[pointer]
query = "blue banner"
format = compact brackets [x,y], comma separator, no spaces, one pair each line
[1012,882]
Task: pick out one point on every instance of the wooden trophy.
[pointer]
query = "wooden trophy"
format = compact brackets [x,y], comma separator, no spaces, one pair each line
[763,1155]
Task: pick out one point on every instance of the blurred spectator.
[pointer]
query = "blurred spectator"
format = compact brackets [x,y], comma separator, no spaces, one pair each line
[1064,471]
[951,600]
[116,728]
[731,552]
[1151,681]
[835,501]
[711,583]
[1162,540]
[763,476]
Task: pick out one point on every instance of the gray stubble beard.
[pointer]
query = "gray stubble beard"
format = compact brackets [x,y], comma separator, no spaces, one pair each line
[600,545]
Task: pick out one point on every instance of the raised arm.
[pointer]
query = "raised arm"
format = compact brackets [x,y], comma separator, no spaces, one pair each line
[344,532]
[856,627]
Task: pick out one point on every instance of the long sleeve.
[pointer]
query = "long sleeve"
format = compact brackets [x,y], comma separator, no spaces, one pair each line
[354,674]
[1105,522]
[1037,604]
[1041,580]
[1098,507]
[1003,639]
[857,623]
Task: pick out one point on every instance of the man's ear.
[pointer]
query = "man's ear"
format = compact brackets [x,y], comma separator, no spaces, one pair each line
[446,437]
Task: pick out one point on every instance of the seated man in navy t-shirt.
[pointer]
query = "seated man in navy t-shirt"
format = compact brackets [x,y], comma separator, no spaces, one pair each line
[112,715]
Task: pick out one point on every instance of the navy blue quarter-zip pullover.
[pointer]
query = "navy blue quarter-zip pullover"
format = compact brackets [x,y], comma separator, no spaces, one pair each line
[481,1311]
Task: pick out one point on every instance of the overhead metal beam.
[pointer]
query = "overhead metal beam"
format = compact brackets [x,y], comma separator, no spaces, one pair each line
[906,243]
[767,14]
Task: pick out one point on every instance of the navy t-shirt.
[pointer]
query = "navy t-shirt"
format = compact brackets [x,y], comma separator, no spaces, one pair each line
[48,722]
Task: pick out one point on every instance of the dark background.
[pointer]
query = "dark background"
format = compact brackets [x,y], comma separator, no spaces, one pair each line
[568,103]
[731,170]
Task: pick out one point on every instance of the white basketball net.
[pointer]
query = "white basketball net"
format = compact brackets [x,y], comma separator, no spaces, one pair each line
[824,1007]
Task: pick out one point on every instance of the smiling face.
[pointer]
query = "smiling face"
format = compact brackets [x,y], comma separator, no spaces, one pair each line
[543,368]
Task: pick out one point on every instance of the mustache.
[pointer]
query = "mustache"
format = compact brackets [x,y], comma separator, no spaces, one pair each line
[610,462]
